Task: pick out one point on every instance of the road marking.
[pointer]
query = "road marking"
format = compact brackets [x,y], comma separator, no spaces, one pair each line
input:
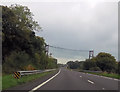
[103,88]
[116,79]
[103,77]
[80,76]
[90,82]
[44,82]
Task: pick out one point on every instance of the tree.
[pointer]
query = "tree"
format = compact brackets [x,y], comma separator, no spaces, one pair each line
[19,40]
[9,30]
[118,67]
[89,64]
[106,62]
[25,18]
[73,65]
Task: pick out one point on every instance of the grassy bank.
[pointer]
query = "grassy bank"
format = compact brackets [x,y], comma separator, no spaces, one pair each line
[111,75]
[9,81]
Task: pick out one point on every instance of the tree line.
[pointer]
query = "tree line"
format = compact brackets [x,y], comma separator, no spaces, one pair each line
[21,48]
[102,62]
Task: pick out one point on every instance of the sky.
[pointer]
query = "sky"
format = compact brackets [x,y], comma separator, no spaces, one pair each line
[79,25]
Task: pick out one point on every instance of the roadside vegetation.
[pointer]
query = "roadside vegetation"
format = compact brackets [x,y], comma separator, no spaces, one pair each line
[104,62]
[112,75]
[9,81]
[21,48]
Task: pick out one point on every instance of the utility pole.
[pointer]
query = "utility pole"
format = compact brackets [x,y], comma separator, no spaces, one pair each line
[46,49]
[91,53]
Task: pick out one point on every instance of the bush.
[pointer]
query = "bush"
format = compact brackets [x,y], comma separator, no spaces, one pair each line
[89,64]
[106,62]
[52,63]
[16,61]
[95,69]
[29,67]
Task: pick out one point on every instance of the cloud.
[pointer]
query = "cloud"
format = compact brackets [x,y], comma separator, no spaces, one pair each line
[78,25]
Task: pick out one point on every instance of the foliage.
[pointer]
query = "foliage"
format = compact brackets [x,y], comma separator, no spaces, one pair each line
[81,65]
[52,63]
[95,69]
[15,61]
[73,65]
[112,75]
[118,68]
[25,18]
[89,64]
[9,81]
[102,62]
[22,49]
[106,62]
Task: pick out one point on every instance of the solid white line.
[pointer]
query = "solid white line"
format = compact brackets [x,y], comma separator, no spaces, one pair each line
[44,82]
[116,79]
[91,82]
[105,77]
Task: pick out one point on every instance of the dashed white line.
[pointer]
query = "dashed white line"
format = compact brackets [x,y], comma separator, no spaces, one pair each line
[103,88]
[80,76]
[44,82]
[90,82]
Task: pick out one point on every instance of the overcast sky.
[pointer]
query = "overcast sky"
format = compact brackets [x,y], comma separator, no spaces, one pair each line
[77,25]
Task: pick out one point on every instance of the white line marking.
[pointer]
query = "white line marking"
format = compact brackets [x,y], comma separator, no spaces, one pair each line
[80,76]
[44,82]
[104,77]
[116,79]
[103,88]
[90,82]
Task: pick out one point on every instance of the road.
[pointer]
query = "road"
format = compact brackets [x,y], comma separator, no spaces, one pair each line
[72,80]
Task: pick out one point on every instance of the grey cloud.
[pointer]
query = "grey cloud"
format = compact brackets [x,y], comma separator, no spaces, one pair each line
[78,26]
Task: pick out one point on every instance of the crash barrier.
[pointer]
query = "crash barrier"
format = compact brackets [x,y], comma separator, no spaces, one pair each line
[19,74]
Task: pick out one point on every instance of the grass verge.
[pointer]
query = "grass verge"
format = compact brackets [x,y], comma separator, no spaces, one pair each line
[9,81]
[112,75]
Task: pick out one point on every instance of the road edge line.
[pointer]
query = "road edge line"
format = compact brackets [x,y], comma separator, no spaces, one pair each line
[44,82]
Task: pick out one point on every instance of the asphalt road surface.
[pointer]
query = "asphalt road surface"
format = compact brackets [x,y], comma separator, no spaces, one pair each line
[73,80]
[66,79]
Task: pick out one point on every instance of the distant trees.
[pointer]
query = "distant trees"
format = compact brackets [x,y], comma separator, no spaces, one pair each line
[21,48]
[103,61]
[89,64]
[73,65]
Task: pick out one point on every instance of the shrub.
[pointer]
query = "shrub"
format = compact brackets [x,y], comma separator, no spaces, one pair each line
[15,61]
[106,62]
[89,64]
[29,67]
[95,69]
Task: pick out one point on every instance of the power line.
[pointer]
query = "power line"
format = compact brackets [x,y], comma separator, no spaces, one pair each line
[68,49]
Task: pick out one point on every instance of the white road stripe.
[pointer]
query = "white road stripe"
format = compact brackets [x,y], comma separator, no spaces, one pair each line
[116,79]
[80,76]
[44,82]
[90,82]
[103,88]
